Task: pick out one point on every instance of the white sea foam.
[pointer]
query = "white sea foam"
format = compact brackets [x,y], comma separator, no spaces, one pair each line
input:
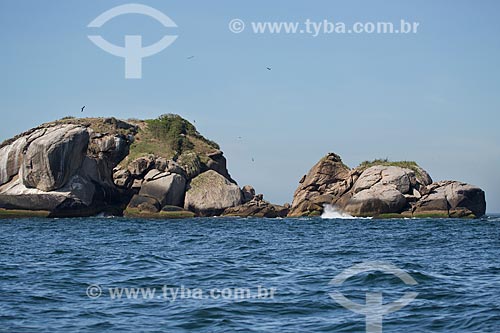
[330,212]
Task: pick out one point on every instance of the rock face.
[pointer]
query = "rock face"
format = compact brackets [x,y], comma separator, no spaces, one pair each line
[53,156]
[10,159]
[380,190]
[379,199]
[210,194]
[402,188]
[454,198]
[217,162]
[62,167]
[327,179]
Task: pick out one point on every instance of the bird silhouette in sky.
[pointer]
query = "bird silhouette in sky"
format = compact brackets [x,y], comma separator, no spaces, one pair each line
[83,108]
[190,57]
[268,68]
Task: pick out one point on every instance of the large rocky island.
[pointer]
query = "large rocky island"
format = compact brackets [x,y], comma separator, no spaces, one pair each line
[152,168]
[164,168]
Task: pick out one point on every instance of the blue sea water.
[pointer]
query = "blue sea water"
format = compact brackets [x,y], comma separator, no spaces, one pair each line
[56,274]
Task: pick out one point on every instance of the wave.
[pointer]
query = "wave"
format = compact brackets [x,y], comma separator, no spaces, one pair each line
[331,212]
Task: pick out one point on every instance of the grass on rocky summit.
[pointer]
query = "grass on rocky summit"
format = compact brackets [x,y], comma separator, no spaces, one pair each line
[168,136]
[412,165]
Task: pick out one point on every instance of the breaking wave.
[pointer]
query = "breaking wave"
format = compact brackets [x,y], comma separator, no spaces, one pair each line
[330,212]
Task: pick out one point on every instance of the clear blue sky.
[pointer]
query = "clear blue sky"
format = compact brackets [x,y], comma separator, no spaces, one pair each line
[433,97]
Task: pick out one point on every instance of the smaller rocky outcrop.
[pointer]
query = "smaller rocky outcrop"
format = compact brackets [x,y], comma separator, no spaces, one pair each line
[258,207]
[210,194]
[382,188]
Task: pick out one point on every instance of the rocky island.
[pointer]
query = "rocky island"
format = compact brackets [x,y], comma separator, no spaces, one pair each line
[151,168]
[383,189]
[164,168]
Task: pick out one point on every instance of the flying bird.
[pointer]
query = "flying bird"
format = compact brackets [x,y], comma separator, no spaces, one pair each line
[83,108]
[253,159]
[190,57]
[268,68]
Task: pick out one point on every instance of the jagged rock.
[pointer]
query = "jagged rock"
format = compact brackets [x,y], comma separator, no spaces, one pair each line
[422,177]
[218,163]
[248,192]
[54,156]
[328,176]
[140,166]
[123,178]
[210,194]
[166,188]
[111,149]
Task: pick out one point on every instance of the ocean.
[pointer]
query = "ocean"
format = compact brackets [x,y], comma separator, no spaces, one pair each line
[249,275]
